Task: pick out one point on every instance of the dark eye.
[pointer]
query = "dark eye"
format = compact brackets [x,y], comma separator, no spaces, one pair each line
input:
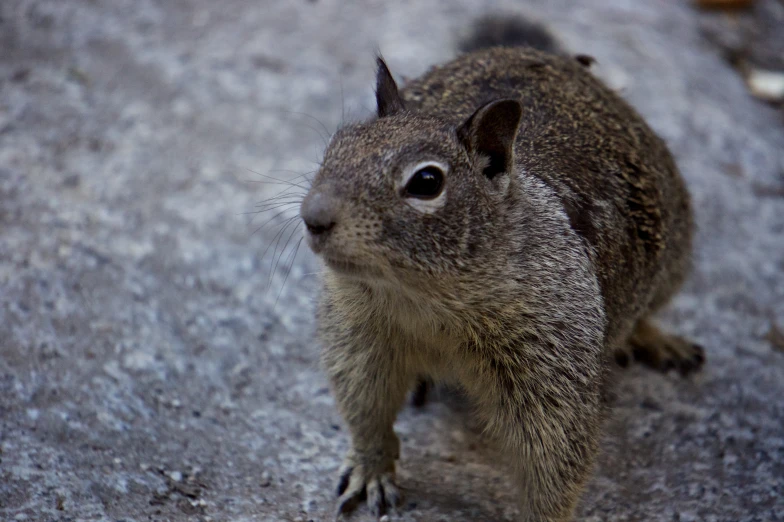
[426,183]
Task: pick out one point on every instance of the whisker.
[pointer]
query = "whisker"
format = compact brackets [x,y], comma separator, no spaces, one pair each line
[255,213]
[301,174]
[324,127]
[283,251]
[278,233]
[266,182]
[288,240]
[279,198]
[282,206]
[342,102]
[304,176]
[272,218]
[285,198]
[278,201]
[271,206]
[290,261]
[286,192]
[290,183]
[273,263]
[324,139]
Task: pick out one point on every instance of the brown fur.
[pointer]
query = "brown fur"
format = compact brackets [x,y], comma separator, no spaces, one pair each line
[518,285]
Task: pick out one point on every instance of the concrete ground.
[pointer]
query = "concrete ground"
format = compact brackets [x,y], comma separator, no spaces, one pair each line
[153,365]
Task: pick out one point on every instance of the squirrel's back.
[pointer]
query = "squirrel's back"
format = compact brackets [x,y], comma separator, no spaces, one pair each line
[615,177]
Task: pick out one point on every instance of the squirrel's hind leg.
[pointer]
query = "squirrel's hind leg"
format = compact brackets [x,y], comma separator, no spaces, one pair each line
[660,350]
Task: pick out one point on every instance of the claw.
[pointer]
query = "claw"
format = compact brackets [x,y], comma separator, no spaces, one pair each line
[375,498]
[699,353]
[345,477]
[349,502]
[689,366]
[391,492]
[356,484]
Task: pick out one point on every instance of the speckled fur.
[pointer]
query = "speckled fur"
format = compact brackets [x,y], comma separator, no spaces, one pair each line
[519,289]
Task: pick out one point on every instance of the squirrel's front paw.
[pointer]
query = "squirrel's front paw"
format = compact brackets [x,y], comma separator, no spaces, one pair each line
[361,477]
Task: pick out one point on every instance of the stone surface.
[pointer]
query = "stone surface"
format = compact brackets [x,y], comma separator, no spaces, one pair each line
[153,365]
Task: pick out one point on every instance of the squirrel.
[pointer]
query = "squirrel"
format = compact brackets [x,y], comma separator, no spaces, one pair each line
[508,224]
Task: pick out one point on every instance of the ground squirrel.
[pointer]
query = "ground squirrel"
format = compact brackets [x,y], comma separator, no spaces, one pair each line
[506,223]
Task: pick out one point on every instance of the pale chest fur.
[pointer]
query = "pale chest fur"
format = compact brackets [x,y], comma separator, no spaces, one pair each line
[427,333]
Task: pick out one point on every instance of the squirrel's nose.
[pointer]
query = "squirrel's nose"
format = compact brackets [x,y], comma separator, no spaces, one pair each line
[318,212]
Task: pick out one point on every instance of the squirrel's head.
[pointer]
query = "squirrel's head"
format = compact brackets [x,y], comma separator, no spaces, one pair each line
[408,196]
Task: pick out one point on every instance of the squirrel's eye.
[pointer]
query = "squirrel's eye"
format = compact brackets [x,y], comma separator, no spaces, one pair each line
[426,183]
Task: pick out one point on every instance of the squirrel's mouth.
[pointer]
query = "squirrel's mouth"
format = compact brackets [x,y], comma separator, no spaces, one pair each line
[342,265]
[347,267]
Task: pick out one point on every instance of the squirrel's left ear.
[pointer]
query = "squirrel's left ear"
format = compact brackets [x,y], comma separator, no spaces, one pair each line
[388,97]
[491,132]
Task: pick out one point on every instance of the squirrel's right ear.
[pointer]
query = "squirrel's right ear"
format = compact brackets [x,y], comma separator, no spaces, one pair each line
[491,132]
[388,97]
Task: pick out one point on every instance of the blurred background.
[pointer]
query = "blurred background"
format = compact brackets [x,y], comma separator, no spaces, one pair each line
[157,359]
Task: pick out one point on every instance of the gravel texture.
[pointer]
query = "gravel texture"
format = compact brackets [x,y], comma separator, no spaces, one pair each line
[153,365]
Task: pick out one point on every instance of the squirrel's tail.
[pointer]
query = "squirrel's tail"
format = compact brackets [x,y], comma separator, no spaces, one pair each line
[508,31]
